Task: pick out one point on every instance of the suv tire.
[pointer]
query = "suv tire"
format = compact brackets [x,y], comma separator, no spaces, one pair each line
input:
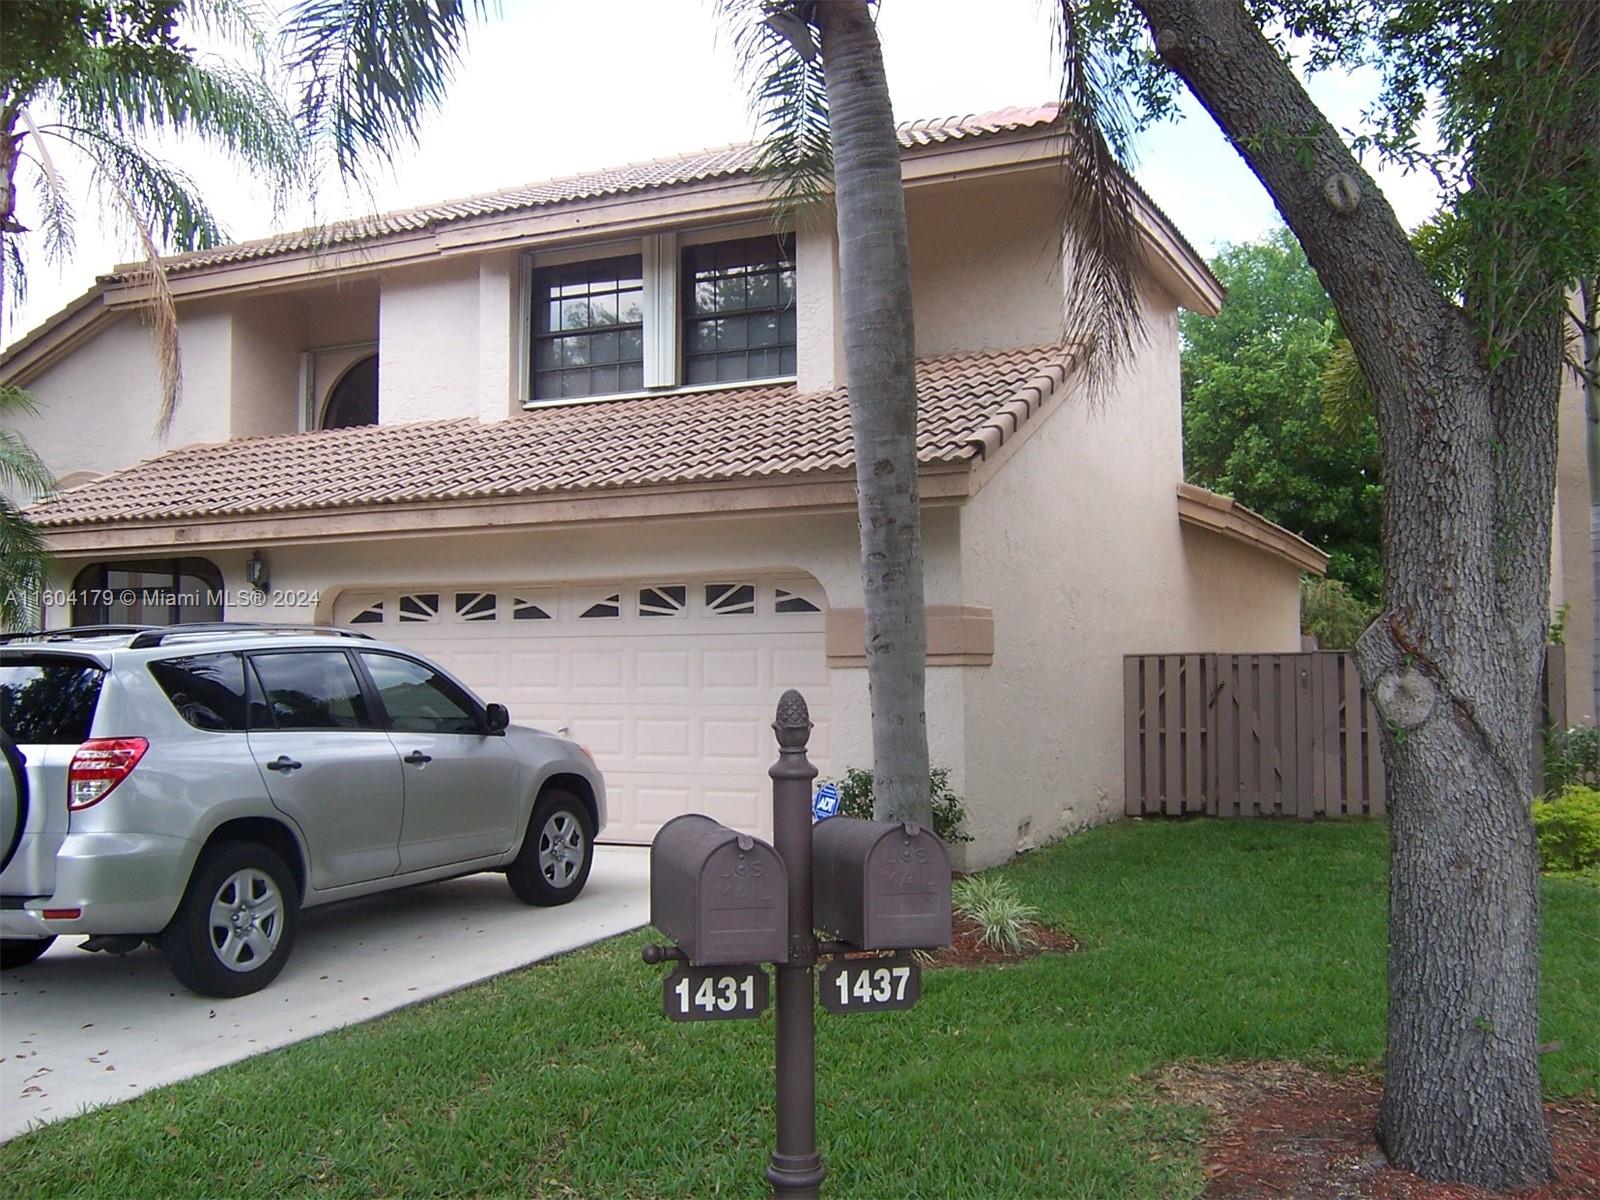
[237,888]
[19,952]
[557,851]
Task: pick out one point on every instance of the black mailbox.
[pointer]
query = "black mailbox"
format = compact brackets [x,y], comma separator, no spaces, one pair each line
[880,885]
[721,895]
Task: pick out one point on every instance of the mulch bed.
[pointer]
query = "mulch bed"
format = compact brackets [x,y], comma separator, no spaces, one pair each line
[1287,1132]
[966,948]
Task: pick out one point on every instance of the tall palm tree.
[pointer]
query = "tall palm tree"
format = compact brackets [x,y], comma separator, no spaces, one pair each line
[820,91]
[22,552]
[85,85]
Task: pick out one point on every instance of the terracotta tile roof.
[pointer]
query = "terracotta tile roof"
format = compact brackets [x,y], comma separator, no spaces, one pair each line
[700,166]
[968,405]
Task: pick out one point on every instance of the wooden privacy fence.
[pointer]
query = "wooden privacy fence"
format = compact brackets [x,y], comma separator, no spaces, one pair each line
[1261,735]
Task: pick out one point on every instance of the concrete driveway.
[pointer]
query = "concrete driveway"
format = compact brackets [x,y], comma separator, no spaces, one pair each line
[80,1030]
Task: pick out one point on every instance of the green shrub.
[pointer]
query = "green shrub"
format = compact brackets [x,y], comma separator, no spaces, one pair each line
[1568,829]
[1333,614]
[989,901]
[1571,759]
[949,813]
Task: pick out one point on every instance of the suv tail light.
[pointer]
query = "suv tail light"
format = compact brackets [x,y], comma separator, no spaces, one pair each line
[98,766]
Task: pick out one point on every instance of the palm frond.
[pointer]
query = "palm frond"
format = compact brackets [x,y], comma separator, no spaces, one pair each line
[23,561]
[368,70]
[165,202]
[1102,313]
[134,91]
[14,271]
[57,218]
[775,42]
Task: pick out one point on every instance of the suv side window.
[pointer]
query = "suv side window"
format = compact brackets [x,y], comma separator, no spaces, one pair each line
[208,690]
[419,700]
[48,700]
[311,689]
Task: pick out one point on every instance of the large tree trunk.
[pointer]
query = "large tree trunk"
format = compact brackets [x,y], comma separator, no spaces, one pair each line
[1453,661]
[880,359]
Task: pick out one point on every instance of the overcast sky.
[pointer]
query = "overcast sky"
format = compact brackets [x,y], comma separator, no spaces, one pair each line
[556,87]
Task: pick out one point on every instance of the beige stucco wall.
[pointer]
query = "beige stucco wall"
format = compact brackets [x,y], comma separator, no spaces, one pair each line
[824,546]
[268,336]
[1076,545]
[985,263]
[428,354]
[98,405]
[1572,581]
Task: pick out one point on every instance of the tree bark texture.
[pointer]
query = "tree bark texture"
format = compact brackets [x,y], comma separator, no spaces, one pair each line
[880,360]
[1453,660]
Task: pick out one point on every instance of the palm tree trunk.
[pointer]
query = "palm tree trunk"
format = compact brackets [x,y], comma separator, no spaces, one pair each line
[880,359]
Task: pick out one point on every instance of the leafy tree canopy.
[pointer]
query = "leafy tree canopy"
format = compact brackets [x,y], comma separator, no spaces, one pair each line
[1253,419]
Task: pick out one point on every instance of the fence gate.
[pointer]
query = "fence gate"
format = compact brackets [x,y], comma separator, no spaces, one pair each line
[1262,735]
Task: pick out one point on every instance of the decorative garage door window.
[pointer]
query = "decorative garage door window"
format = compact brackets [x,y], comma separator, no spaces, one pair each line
[731,599]
[713,601]
[419,606]
[665,600]
[476,606]
[611,606]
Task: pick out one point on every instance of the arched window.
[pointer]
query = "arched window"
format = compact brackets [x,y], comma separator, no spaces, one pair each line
[155,591]
[354,399]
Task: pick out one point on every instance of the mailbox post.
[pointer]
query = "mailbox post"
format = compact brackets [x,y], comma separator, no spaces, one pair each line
[730,903]
[796,1169]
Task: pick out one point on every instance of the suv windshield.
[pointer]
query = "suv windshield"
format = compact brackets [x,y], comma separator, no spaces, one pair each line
[48,700]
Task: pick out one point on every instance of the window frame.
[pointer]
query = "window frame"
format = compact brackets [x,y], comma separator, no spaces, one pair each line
[374,694]
[100,613]
[663,324]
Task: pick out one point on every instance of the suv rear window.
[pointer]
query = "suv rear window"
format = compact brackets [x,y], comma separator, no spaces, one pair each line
[207,689]
[48,700]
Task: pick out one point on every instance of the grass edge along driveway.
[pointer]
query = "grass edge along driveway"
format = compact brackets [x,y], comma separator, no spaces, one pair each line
[1203,940]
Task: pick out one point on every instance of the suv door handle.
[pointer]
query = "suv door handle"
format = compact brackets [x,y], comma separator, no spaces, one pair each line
[283,763]
[416,758]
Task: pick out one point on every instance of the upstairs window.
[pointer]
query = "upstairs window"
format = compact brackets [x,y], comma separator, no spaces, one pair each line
[738,310]
[354,399]
[588,328]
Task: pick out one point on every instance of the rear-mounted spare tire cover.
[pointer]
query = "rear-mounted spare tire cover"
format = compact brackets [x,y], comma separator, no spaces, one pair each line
[13,798]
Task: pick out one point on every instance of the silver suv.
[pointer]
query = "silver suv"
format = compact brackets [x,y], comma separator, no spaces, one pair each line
[196,786]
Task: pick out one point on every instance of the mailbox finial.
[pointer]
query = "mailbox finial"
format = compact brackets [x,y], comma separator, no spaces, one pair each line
[793,725]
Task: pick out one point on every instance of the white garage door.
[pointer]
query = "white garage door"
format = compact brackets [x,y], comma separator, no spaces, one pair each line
[671,684]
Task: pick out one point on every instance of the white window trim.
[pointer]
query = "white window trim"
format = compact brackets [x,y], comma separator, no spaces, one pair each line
[661,259]
[310,403]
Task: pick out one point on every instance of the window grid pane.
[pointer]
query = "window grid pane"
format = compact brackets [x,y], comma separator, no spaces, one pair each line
[588,335]
[739,321]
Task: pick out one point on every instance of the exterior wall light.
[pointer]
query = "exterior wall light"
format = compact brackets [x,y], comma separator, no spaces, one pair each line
[255,570]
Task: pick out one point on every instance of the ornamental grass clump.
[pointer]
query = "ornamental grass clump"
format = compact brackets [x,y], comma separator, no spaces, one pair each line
[990,903]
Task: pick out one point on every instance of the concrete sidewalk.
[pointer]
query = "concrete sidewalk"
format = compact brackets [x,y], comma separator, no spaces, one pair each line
[80,1030]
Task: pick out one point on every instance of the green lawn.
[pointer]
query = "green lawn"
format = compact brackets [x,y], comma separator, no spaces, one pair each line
[1215,940]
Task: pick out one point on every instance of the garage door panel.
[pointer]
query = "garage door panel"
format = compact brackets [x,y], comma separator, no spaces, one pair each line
[656,670]
[676,708]
[733,739]
[529,670]
[671,740]
[726,669]
[739,807]
[598,670]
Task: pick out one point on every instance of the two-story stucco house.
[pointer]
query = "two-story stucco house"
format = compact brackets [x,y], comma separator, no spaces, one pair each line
[587,443]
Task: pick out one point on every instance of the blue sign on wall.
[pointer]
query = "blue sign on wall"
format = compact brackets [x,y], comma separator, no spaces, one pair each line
[825,803]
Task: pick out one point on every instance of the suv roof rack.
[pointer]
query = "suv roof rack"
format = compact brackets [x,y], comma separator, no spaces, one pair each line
[71,633]
[158,635]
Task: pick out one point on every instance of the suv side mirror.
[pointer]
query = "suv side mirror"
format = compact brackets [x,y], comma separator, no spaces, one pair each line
[496,718]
